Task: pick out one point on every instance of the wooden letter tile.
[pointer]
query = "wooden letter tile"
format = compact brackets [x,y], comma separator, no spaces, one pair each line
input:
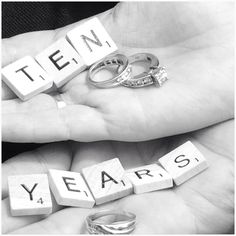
[70,189]
[149,178]
[183,162]
[107,181]
[61,61]
[26,78]
[29,195]
[91,41]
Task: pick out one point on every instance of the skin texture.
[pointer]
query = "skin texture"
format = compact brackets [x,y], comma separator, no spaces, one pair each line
[203,204]
[194,43]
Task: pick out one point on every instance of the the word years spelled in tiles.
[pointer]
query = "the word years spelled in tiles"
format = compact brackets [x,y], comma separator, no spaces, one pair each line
[107,181]
[61,61]
[149,178]
[183,162]
[26,78]
[70,189]
[91,41]
[29,195]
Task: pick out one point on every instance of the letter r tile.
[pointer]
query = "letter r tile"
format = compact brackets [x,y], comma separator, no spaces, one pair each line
[26,78]
[149,178]
[29,195]
[107,181]
[91,41]
[70,189]
[184,162]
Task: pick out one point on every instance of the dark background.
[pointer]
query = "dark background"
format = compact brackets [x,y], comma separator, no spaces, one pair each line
[22,17]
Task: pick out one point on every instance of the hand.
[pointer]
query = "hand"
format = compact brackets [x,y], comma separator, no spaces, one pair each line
[194,41]
[203,204]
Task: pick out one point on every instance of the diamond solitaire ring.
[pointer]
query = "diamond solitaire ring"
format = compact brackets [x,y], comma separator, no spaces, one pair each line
[111,222]
[122,72]
[155,75]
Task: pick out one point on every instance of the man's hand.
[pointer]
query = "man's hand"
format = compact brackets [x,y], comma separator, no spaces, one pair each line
[194,41]
[203,204]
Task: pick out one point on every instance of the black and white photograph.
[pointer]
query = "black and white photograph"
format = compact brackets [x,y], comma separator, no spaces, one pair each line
[117,117]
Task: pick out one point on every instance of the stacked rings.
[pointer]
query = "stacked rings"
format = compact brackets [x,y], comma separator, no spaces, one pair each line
[155,75]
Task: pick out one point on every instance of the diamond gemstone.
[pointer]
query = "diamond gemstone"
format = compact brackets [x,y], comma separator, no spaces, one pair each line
[159,76]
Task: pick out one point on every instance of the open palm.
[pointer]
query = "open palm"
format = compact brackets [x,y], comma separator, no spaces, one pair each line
[203,204]
[192,40]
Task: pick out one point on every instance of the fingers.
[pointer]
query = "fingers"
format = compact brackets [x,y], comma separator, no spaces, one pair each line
[87,154]
[66,221]
[51,124]
[10,223]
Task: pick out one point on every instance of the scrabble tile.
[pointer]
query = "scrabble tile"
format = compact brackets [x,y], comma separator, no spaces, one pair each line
[149,178]
[107,181]
[29,195]
[183,162]
[70,189]
[26,78]
[91,41]
[61,62]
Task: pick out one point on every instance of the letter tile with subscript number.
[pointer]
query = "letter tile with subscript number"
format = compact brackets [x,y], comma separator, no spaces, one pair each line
[61,62]
[184,162]
[29,195]
[70,189]
[26,78]
[91,41]
[107,181]
[149,178]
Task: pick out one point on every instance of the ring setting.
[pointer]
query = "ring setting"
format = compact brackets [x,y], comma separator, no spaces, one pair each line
[159,76]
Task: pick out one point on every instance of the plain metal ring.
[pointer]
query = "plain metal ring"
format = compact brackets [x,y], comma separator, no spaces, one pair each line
[118,59]
[125,223]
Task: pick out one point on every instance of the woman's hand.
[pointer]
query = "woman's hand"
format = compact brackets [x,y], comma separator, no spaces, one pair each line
[203,204]
[194,41]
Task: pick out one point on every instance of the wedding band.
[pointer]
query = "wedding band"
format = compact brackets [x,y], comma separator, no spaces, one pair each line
[119,222]
[155,75]
[118,59]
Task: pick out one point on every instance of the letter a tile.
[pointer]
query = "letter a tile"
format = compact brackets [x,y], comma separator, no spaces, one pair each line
[26,78]
[61,61]
[183,162]
[91,41]
[107,181]
[29,195]
[149,178]
[70,189]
